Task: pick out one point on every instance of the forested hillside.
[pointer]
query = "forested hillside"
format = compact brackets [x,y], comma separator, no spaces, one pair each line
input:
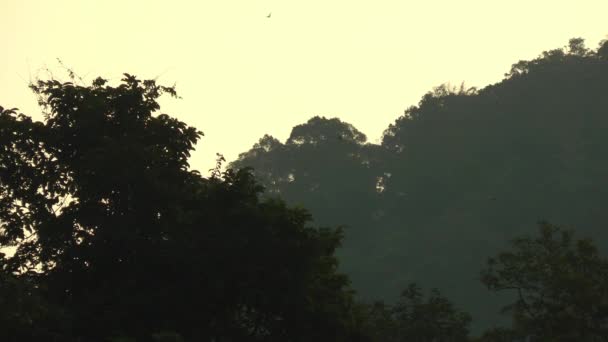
[108,235]
[455,177]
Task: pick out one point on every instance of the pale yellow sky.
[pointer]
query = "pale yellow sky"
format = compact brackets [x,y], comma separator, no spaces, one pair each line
[242,75]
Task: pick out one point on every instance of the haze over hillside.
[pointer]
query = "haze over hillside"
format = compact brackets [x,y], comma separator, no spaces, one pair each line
[456,177]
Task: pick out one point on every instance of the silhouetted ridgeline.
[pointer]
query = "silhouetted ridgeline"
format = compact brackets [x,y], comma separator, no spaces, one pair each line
[455,177]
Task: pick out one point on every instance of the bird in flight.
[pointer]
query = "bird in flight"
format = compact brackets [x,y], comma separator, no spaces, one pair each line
[269,14]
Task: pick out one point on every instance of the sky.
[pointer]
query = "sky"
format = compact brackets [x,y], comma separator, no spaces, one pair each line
[242,74]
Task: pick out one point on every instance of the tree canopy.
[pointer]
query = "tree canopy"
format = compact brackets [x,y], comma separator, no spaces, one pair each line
[112,229]
[561,286]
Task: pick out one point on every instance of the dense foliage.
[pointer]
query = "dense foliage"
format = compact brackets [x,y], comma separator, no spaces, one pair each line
[416,318]
[456,176]
[114,236]
[561,286]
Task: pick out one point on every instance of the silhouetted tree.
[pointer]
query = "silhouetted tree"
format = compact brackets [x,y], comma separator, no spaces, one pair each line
[416,318]
[500,335]
[102,208]
[602,51]
[561,286]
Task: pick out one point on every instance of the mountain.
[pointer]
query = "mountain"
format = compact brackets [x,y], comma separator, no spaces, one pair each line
[456,177]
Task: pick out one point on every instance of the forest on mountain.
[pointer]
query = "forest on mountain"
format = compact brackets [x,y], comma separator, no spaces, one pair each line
[456,177]
[477,202]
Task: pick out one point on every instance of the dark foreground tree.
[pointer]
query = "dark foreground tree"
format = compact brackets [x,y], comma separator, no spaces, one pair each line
[501,335]
[25,314]
[561,286]
[416,318]
[111,227]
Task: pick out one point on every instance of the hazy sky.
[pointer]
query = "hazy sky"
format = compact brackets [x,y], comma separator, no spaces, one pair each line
[242,75]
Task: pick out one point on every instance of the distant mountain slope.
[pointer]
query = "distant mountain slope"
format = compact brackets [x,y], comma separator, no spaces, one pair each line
[456,177]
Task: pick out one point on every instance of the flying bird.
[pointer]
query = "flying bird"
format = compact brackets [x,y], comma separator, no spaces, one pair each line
[269,14]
